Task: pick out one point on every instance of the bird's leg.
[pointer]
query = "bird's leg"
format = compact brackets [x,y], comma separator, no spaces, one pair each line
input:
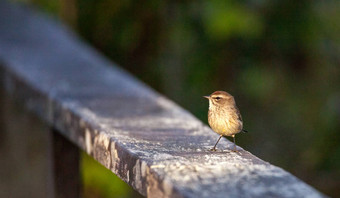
[214,149]
[235,150]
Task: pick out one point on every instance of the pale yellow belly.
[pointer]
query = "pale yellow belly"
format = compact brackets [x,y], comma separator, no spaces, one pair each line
[227,126]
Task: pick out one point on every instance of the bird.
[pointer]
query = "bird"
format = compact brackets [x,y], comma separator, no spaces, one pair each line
[224,117]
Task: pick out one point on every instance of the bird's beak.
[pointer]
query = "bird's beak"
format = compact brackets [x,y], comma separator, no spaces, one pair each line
[207,97]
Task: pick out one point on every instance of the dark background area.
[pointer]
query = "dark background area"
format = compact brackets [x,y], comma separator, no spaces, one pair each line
[280,59]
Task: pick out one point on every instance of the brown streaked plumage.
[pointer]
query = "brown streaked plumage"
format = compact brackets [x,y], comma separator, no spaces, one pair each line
[223,116]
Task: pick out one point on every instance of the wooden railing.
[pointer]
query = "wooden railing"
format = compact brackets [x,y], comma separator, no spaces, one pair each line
[86,102]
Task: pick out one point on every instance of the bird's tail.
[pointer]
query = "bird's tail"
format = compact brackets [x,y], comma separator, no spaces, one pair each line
[244,131]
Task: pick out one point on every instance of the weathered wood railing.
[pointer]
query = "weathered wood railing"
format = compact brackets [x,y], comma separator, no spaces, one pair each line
[148,141]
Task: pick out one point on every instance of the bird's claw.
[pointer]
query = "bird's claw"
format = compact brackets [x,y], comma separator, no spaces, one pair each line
[234,150]
[213,149]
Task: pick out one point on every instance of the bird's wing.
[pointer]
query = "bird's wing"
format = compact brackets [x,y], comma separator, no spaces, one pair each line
[238,114]
[240,118]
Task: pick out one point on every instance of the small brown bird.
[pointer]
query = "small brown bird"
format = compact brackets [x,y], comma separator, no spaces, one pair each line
[223,116]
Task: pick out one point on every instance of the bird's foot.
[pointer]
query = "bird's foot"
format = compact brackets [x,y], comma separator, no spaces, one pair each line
[213,149]
[234,149]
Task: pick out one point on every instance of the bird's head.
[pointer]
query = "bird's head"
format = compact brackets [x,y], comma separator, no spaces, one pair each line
[220,99]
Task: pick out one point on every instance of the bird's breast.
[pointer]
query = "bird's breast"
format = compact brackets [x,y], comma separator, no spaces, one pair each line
[224,122]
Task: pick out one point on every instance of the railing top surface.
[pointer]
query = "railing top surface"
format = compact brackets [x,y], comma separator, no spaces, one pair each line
[147,140]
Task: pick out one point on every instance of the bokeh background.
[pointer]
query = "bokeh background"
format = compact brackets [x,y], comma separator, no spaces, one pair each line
[280,59]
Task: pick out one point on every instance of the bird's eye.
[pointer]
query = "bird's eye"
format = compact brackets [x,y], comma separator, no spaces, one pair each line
[218,98]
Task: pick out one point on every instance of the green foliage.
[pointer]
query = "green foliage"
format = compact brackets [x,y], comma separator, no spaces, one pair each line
[98,181]
[224,19]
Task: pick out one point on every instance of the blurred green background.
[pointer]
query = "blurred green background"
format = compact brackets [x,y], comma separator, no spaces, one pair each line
[280,59]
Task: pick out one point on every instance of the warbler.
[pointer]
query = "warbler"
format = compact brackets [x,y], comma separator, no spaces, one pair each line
[223,116]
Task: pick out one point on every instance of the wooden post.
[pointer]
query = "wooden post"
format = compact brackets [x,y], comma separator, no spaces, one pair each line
[25,168]
[65,167]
